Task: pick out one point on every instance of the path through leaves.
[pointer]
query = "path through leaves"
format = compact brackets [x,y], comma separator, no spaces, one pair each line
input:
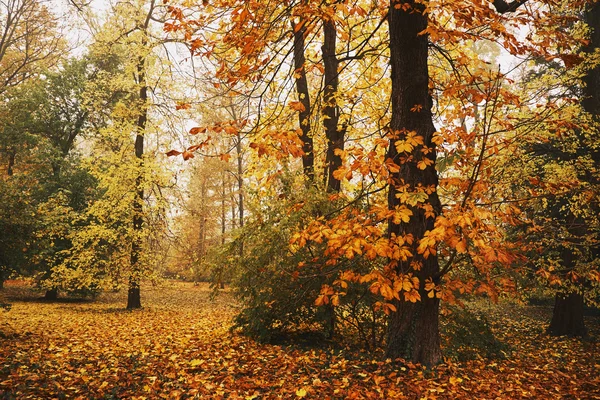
[179,347]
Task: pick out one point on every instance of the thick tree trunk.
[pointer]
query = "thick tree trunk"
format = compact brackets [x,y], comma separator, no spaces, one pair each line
[567,317]
[591,99]
[413,331]
[134,299]
[3,275]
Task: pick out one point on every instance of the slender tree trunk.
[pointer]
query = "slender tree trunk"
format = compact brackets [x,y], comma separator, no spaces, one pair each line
[134,295]
[233,206]
[11,162]
[203,218]
[240,180]
[331,111]
[308,159]
[567,317]
[413,331]
[223,206]
[223,219]
[240,183]
[334,136]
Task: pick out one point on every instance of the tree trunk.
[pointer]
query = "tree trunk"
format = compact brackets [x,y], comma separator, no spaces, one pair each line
[567,317]
[11,162]
[240,178]
[331,111]
[308,159]
[51,295]
[334,135]
[413,331]
[133,296]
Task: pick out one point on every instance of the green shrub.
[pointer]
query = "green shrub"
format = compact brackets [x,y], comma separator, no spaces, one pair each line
[467,335]
[278,284]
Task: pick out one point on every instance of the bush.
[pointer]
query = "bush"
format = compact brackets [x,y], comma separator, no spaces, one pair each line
[468,335]
[278,284]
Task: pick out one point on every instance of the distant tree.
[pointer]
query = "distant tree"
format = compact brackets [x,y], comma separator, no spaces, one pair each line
[30,41]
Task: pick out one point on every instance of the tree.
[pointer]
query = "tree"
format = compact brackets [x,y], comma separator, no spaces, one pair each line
[567,316]
[136,113]
[413,331]
[30,41]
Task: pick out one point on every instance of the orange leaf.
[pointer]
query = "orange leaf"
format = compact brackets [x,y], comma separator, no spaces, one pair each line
[197,130]
[296,105]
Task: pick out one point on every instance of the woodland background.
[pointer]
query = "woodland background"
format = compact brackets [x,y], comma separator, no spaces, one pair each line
[387,198]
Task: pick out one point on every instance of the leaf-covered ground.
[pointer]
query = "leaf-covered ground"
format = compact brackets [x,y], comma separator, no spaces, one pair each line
[179,346]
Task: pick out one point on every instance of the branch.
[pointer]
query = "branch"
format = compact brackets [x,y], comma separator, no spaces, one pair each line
[504,7]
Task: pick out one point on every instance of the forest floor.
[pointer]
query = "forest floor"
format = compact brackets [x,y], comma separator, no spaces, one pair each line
[179,346]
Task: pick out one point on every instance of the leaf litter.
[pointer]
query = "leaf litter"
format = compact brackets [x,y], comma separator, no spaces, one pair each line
[179,346]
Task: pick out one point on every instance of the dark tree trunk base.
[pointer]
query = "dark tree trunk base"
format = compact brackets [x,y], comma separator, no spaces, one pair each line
[567,317]
[133,298]
[51,295]
[413,332]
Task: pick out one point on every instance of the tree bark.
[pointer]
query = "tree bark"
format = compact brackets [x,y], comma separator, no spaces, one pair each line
[134,299]
[11,162]
[308,159]
[567,317]
[240,178]
[331,111]
[133,295]
[51,295]
[413,331]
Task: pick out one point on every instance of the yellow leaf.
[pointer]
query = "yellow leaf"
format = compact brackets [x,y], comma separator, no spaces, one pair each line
[301,392]
[402,146]
[454,381]
[195,362]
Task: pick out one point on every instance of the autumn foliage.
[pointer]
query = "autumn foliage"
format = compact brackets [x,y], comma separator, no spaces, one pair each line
[377,192]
